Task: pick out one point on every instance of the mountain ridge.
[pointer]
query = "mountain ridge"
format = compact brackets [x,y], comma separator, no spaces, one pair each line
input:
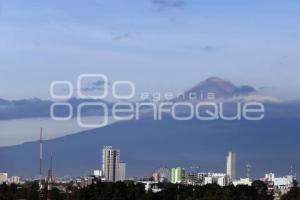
[147,144]
[223,90]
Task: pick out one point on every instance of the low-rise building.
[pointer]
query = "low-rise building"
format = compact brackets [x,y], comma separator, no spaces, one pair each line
[14,180]
[97,173]
[278,185]
[242,181]
[283,184]
[151,185]
[216,178]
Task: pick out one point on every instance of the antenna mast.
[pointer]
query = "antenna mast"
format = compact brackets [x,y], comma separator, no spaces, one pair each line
[248,167]
[41,162]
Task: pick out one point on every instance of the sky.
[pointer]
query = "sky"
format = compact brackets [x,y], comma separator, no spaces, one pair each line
[160,45]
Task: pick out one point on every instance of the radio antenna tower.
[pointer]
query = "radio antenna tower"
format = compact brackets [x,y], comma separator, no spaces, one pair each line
[293,172]
[41,162]
[248,167]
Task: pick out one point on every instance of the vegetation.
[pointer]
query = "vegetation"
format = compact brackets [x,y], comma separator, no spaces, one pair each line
[293,194]
[132,191]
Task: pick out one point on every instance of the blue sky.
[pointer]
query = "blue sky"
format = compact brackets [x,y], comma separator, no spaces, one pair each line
[161,45]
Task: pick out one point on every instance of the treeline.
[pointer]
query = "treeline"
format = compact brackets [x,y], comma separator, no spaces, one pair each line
[293,194]
[132,191]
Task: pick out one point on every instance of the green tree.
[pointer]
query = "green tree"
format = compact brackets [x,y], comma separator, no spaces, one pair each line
[293,194]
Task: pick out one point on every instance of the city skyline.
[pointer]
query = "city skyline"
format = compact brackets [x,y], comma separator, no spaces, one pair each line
[113,169]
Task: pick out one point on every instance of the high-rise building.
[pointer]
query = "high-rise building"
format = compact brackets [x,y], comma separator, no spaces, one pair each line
[110,163]
[3,178]
[122,171]
[177,175]
[230,165]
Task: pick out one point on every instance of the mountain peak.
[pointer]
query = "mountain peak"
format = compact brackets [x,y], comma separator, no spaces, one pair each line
[215,79]
[221,88]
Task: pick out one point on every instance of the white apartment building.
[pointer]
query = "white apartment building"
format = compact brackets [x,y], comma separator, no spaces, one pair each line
[14,180]
[242,181]
[3,178]
[216,178]
[110,163]
[231,165]
[122,171]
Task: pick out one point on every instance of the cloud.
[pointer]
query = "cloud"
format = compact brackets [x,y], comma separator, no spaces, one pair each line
[95,86]
[121,36]
[99,83]
[163,4]
[207,48]
[267,88]
[92,88]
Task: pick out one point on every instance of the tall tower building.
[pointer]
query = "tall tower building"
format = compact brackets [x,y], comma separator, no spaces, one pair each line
[177,175]
[122,171]
[110,163]
[230,165]
[3,178]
